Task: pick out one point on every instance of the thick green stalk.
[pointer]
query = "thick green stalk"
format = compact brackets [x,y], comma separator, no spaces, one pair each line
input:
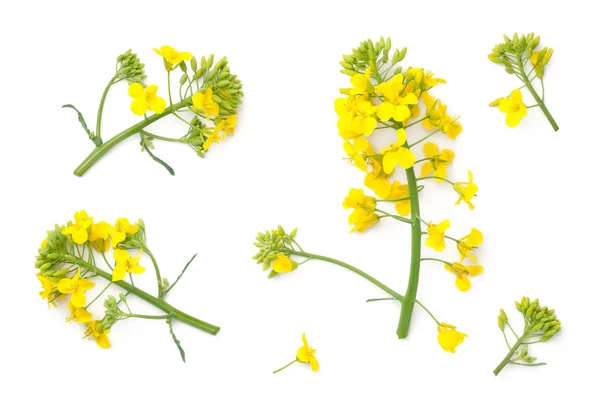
[108,145]
[511,352]
[156,302]
[537,98]
[415,257]
[101,106]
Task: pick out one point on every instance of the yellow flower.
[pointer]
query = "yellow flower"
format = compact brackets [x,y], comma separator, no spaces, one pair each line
[514,108]
[81,315]
[539,64]
[47,288]
[436,113]
[79,230]
[462,272]
[377,181]
[125,263]
[230,124]
[466,191]
[215,136]
[99,235]
[451,127]
[75,286]
[398,155]
[145,98]
[364,122]
[356,150]
[306,354]
[362,220]
[395,106]
[96,330]
[438,161]
[361,82]
[468,243]
[399,191]
[121,230]
[172,56]
[204,102]
[436,238]
[283,264]
[363,215]
[356,199]
[449,338]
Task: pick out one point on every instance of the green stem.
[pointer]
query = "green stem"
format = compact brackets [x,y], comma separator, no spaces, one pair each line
[101,106]
[511,352]
[101,150]
[537,98]
[158,303]
[286,366]
[162,138]
[148,317]
[156,270]
[396,217]
[415,256]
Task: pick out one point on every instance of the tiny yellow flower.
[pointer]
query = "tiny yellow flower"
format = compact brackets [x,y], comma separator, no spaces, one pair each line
[462,272]
[361,82]
[306,354]
[398,155]
[79,230]
[399,191]
[99,236]
[438,162]
[363,215]
[466,191]
[449,338]
[452,128]
[363,122]
[362,220]
[468,243]
[436,113]
[75,286]
[283,264]
[356,199]
[356,150]
[47,288]
[96,330]
[172,56]
[215,136]
[377,181]
[514,108]
[145,98]
[121,229]
[396,103]
[436,238]
[230,124]
[204,102]
[125,263]
[535,59]
[81,315]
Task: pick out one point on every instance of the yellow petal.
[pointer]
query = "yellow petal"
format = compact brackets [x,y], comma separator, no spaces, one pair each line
[102,341]
[401,136]
[157,105]
[390,160]
[78,298]
[401,113]
[406,158]
[463,284]
[139,106]
[136,90]
[385,111]
[314,364]
[430,149]
[118,273]
[426,169]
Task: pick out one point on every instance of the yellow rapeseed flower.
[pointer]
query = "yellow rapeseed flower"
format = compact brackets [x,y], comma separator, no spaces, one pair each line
[204,102]
[145,99]
[79,230]
[75,286]
[81,315]
[306,354]
[99,236]
[215,136]
[283,264]
[362,220]
[436,238]
[47,288]
[399,191]
[125,263]
[357,199]
[123,228]
[96,331]
[466,191]
[398,155]
[438,162]
[172,56]
[396,103]
[449,338]
[469,242]
[462,272]
[356,149]
[514,108]
[377,180]
[362,83]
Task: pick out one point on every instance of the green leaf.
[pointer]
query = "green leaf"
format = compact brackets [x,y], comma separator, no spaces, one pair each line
[370,300]
[177,342]
[180,275]
[157,159]
[97,141]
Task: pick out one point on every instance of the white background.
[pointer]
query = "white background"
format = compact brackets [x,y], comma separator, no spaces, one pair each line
[536,208]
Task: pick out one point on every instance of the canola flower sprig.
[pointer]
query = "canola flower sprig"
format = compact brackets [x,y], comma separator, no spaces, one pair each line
[276,247]
[539,325]
[384,96]
[305,354]
[521,57]
[75,253]
[209,96]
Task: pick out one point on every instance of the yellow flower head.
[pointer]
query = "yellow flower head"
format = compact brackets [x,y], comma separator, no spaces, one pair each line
[204,102]
[145,99]
[436,113]
[357,149]
[172,56]
[96,330]
[514,108]
[377,180]
[362,220]
[362,83]
[449,338]
[47,288]
[81,315]
[451,127]
[99,236]
[215,136]
[468,243]
[399,191]
[125,263]
[306,354]
[398,155]
[397,103]
[356,199]
[462,272]
[438,162]
[436,238]
[79,230]
[283,264]
[121,230]
[75,286]
[466,191]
